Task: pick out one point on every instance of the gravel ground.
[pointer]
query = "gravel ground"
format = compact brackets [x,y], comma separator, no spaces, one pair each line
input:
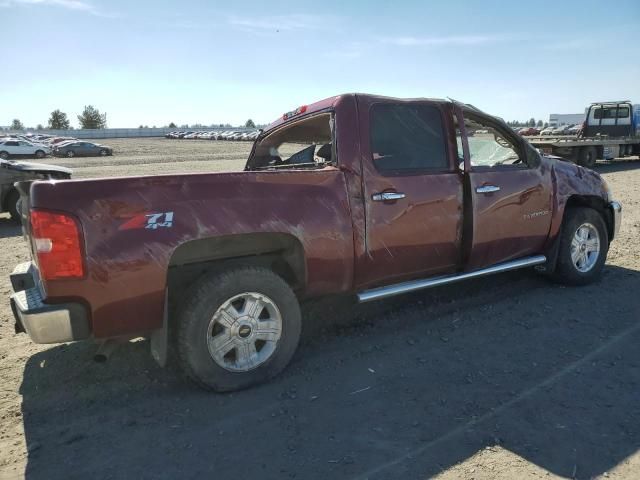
[507,377]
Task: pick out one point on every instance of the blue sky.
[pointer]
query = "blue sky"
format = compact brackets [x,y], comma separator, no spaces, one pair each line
[154,62]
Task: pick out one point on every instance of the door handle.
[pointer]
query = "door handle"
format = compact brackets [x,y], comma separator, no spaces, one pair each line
[386,196]
[488,189]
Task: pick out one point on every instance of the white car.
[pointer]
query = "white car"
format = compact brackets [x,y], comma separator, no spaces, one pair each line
[15,147]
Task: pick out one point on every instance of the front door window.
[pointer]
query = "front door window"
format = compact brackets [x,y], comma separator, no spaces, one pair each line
[488,147]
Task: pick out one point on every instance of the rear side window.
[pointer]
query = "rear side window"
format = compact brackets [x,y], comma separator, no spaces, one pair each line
[407,138]
[623,112]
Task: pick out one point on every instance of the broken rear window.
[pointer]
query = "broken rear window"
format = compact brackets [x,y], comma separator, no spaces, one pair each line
[306,143]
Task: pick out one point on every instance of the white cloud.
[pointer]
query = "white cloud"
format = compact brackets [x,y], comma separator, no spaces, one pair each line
[279,22]
[444,41]
[571,44]
[77,5]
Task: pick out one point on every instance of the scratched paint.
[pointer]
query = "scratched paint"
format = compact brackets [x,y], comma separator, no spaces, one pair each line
[348,240]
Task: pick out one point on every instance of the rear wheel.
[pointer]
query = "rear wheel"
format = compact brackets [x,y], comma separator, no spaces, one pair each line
[584,244]
[40,154]
[587,157]
[4,155]
[238,328]
[71,153]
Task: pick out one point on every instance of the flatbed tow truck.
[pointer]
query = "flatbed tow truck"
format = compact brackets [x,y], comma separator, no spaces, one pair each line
[611,130]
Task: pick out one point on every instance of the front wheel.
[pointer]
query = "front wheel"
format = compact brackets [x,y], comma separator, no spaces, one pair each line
[71,154]
[584,244]
[40,154]
[4,155]
[238,328]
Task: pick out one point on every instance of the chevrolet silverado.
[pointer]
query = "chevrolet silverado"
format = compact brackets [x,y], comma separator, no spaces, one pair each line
[356,194]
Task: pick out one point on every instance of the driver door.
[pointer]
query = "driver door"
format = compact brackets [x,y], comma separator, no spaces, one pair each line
[509,189]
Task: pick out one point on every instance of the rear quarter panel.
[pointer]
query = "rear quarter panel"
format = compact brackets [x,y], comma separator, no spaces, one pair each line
[126,270]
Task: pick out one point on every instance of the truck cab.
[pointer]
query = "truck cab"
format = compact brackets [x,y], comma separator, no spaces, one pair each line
[612,119]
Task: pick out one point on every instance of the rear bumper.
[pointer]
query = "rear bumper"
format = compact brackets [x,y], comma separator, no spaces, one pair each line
[616,211]
[44,323]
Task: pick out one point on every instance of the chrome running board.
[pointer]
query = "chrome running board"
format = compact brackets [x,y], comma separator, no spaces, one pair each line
[405,287]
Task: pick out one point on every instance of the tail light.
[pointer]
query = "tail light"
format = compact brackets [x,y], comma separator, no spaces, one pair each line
[56,239]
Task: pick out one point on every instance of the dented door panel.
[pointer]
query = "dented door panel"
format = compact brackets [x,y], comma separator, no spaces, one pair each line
[419,234]
[512,222]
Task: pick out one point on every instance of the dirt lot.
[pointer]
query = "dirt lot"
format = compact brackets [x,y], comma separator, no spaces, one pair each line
[508,377]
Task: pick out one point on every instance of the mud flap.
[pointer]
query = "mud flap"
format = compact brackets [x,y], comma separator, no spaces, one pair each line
[160,337]
[552,256]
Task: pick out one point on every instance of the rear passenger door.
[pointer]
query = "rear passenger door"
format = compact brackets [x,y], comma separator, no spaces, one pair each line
[412,191]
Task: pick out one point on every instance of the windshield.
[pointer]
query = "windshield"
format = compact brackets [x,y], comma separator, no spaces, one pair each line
[303,144]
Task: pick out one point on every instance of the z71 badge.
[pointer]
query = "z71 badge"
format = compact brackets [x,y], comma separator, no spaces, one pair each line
[151,221]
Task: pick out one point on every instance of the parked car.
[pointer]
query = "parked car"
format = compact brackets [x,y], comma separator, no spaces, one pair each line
[216,263]
[82,149]
[575,130]
[561,130]
[529,131]
[14,148]
[54,141]
[18,171]
[547,131]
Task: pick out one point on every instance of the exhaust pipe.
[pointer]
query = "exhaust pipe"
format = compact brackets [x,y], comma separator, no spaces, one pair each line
[105,350]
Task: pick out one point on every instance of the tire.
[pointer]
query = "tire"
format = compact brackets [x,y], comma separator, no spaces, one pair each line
[4,155]
[587,157]
[104,152]
[578,221]
[11,205]
[40,154]
[71,154]
[231,290]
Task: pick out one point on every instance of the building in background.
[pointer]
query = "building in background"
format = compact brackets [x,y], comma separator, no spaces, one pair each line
[559,119]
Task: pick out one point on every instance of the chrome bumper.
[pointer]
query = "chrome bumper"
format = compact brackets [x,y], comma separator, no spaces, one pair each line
[616,211]
[44,323]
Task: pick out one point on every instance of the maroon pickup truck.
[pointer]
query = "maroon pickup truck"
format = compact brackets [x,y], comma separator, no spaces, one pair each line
[355,194]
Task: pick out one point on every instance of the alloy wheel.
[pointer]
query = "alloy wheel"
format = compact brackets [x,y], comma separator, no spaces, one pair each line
[585,247]
[244,332]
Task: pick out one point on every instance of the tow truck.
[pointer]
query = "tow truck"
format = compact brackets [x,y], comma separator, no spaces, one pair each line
[610,130]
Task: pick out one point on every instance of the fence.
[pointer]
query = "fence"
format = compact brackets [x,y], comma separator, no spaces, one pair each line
[122,132]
